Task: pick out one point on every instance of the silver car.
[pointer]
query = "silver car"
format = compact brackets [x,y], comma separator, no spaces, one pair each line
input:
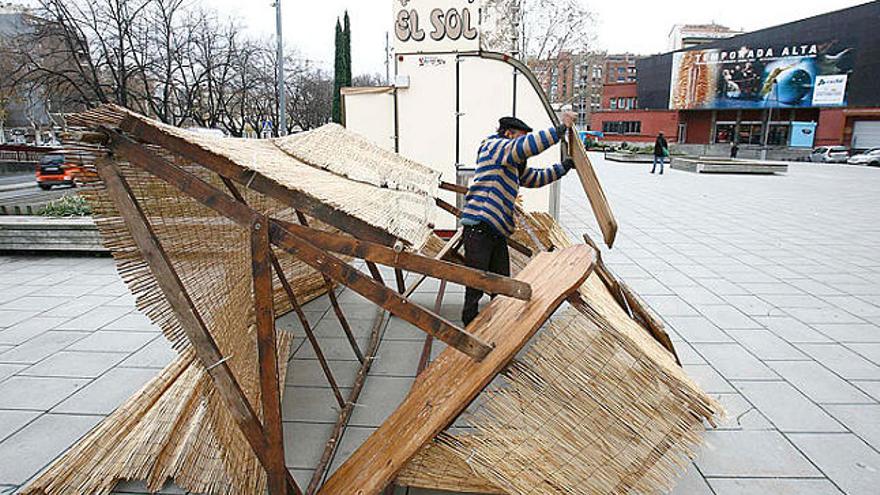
[829,154]
[870,157]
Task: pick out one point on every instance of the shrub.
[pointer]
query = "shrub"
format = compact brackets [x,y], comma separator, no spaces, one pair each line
[69,205]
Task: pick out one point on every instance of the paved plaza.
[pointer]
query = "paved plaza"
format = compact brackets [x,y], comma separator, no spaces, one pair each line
[770,286]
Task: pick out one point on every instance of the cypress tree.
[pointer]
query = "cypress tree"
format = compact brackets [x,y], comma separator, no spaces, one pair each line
[346,41]
[339,74]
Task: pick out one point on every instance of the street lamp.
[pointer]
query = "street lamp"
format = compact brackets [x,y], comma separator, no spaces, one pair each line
[282,96]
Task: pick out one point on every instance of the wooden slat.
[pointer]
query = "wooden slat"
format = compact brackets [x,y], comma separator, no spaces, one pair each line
[344,273]
[270,391]
[595,193]
[297,199]
[172,288]
[452,381]
[488,282]
[306,252]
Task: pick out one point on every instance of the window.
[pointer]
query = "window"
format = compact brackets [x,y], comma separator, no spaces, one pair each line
[622,127]
[778,135]
[613,103]
[724,132]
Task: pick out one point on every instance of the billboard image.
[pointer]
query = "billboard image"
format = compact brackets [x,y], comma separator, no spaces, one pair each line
[806,75]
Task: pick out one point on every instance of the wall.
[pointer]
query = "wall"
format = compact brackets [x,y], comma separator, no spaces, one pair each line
[653,122]
[831,126]
[622,90]
[699,126]
[855,26]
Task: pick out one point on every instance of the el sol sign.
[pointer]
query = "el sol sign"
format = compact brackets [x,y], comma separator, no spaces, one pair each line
[422,26]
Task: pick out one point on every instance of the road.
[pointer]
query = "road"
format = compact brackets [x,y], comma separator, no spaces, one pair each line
[19,194]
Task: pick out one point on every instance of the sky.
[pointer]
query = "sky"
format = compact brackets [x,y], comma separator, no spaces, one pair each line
[638,26]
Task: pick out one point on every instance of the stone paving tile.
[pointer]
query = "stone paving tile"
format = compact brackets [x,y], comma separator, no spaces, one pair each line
[33,447]
[113,341]
[787,408]
[863,420]
[9,318]
[819,384]
[397,358]
[37,393]
[823,315]
[310,404]
[842,361]
[308,373]
[79,306]
[727,317]
[871,352]
[23,331]
[708,379]
[758,486]
[766,345]
[95,318]
[847,460]
[333,348]
[41,346]
[7,370]
[140,488]
[380,397]
[741,415]
[305,444]
[668,306]
[12,421]
[37,303]
[103,395]
[750,305]
[157,354]
[870,388]
[696,329]
[75,364]
[352,439]
[691,483]
[849,332]
[752,454]
[792,330]
[132,321]
[734,362]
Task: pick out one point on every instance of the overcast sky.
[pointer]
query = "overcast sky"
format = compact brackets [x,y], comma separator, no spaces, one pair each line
[639,26]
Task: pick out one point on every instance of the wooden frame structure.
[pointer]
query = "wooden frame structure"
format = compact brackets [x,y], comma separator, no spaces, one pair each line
[320,250]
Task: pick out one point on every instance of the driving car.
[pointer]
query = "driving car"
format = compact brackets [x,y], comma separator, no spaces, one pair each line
[870,157]
[54,170]
[829,154]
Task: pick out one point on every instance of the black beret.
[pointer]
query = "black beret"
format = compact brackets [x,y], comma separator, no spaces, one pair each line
[514,123]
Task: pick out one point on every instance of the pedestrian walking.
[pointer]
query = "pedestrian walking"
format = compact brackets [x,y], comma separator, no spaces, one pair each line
[488,214]
[734,149]
[661,151]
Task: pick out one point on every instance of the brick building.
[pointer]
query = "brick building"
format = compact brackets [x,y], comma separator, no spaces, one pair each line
[786,88]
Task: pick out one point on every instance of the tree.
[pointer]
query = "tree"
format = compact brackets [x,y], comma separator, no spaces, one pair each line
[346,50]
[338,74]
[537,29]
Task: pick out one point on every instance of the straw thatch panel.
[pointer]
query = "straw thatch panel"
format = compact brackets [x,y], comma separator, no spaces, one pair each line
[177,426]
[595,405]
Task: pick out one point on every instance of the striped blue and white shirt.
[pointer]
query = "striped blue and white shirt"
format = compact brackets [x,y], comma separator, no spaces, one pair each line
[501,170]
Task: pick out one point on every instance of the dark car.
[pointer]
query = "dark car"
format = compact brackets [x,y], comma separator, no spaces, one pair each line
[54,170]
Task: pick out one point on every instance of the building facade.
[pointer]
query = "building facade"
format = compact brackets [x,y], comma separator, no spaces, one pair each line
[684,36]
[786,88]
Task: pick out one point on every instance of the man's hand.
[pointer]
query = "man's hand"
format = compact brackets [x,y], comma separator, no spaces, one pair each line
[567,164]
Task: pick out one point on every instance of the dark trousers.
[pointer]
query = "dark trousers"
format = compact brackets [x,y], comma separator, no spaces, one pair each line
[484,249]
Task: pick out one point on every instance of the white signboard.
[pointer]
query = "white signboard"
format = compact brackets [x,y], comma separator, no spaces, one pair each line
[829,90]
[436,26]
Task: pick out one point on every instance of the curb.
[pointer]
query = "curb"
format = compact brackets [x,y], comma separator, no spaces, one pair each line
[35,233]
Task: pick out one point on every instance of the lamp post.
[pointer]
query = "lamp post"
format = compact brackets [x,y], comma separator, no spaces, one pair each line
[282,96]
[773,91]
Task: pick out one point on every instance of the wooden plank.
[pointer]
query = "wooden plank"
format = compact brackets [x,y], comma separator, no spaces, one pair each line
[270,391]
[378,293]
[486,281]
[452,381]
[172,288]
[595,193]
[225,167]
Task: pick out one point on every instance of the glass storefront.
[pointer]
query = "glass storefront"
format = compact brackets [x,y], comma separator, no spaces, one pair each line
[752,133]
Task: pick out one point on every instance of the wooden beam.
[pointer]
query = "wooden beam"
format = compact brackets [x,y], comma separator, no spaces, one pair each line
[451,245]
[270,390]
[310,254]
[456,188]
[478,279]
[175,293]
[342,272]
[593,189]
[299,200]
[452,381]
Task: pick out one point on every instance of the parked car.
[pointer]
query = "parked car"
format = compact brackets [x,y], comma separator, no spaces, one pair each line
[870,157]
[829,154]
[54,170]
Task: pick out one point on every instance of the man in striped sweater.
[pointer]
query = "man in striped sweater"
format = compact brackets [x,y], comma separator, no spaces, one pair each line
[488,215]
